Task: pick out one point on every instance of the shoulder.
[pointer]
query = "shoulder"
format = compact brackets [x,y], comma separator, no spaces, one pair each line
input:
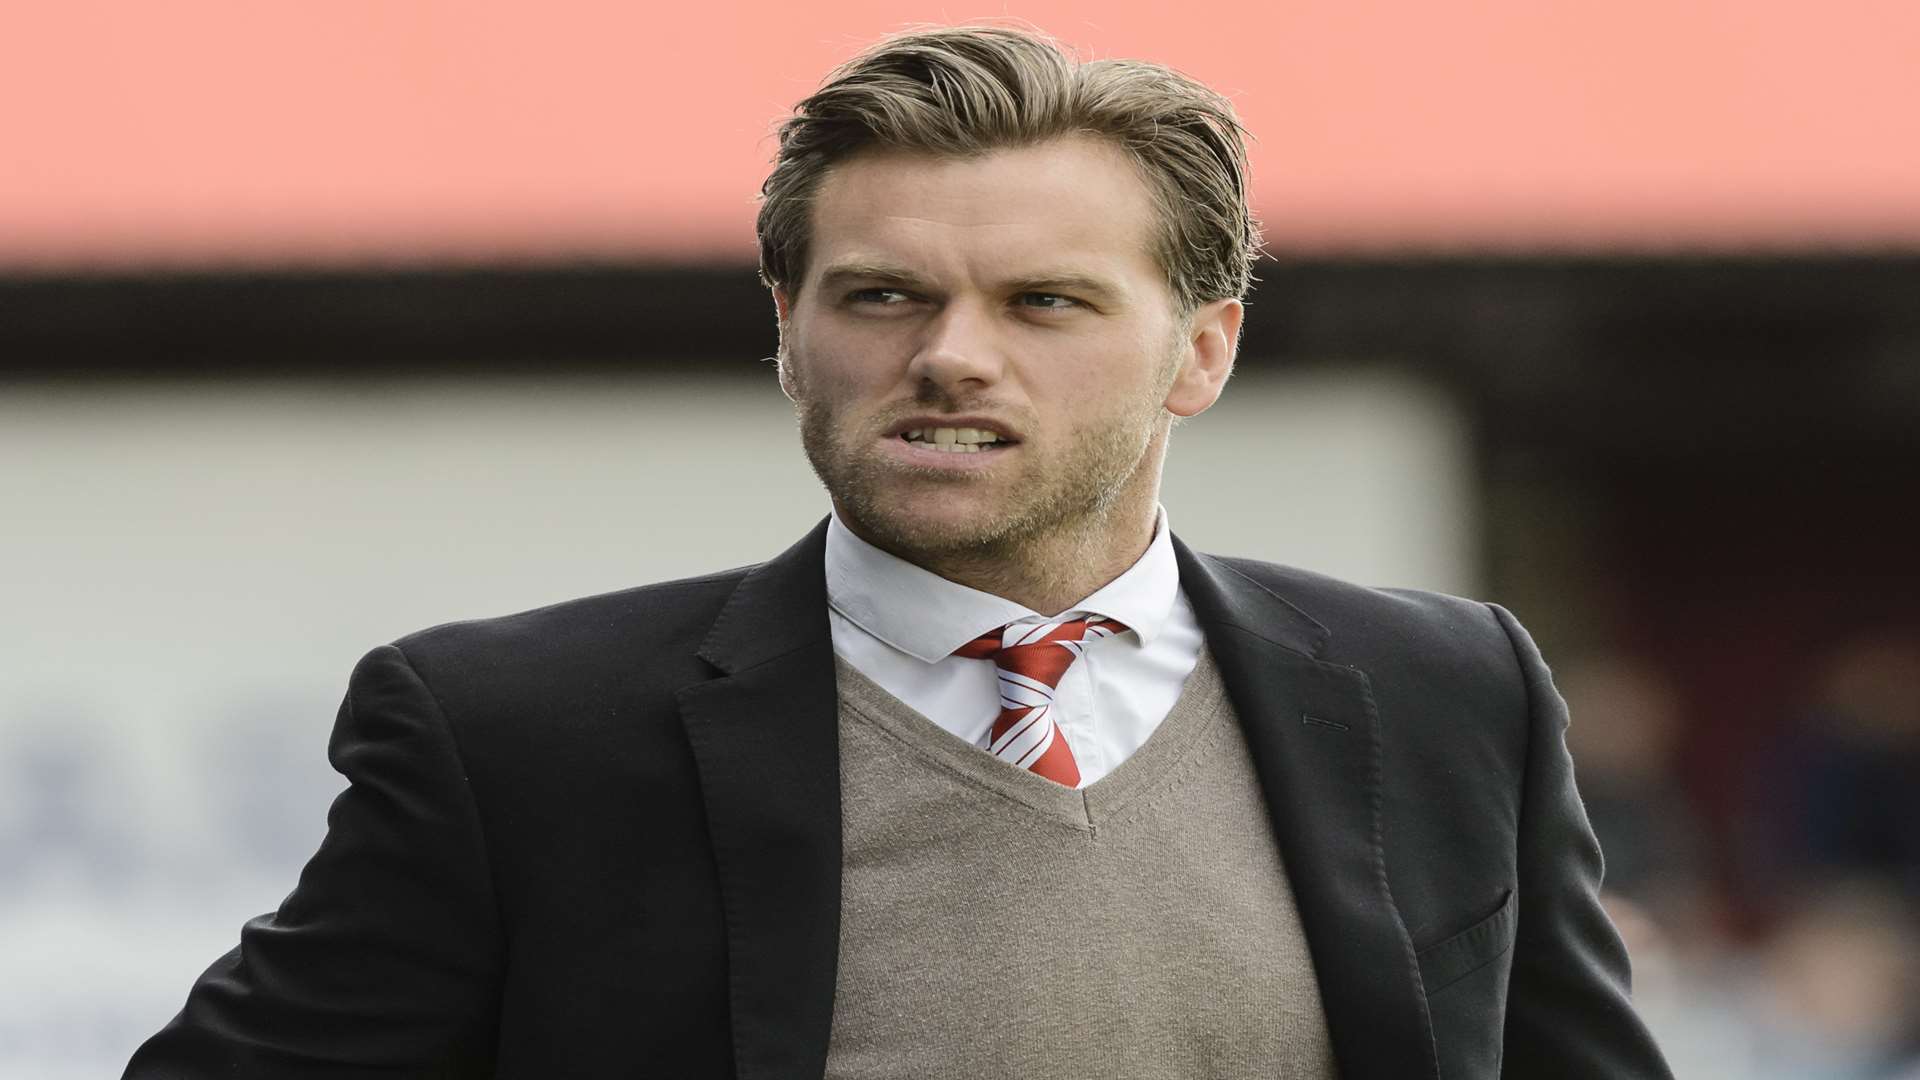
[1335,593]
[1399,636]
[1368,611]
[653,629]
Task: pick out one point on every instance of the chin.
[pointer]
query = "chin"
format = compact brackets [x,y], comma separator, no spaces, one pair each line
[946,528]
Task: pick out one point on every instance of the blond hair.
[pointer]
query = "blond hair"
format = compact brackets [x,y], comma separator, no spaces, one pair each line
[970,90]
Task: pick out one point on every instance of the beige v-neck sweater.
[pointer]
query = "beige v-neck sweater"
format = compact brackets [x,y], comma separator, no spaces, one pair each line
[996,924]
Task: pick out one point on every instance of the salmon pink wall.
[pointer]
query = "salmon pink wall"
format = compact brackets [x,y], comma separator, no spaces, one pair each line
[269,131]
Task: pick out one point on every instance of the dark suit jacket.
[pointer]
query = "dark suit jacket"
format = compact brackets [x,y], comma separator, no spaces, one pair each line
[602,839]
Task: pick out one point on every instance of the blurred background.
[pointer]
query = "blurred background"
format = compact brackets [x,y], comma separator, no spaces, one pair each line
[323,323]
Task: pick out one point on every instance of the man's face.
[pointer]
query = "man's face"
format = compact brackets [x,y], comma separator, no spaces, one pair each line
[984,351]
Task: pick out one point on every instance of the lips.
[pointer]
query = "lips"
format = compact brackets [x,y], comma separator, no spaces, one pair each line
[953,440]
[977,430]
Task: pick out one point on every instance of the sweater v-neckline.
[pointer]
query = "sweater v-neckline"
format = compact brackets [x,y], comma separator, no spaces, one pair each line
[1100,804]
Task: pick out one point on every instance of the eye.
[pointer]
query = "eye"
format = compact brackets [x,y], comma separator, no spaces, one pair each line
[1047,301]
[882,297]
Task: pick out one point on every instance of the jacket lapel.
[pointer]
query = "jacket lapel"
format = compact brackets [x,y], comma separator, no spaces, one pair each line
[1316,744]
[765,737]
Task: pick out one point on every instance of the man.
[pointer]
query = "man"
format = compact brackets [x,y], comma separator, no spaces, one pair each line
[989,775]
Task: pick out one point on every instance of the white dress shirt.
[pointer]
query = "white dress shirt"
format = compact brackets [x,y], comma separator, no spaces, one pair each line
[898,625]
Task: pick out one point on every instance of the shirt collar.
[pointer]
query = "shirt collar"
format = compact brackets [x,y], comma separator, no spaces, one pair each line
[927,617]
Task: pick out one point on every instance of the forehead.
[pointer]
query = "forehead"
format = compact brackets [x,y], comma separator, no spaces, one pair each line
[1076,201]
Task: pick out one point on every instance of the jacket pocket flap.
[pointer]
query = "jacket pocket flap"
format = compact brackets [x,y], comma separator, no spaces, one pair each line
[1446,962]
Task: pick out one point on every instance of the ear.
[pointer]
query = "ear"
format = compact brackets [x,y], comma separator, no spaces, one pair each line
[1212,340]
[783,314]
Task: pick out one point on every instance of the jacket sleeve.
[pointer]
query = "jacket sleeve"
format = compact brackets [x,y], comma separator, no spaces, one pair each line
[386,959]
[1568,1011]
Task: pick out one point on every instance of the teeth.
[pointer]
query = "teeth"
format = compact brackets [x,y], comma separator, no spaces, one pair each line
[951,440]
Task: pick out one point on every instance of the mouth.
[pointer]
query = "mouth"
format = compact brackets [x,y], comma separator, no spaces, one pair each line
[968,436]
[950,440]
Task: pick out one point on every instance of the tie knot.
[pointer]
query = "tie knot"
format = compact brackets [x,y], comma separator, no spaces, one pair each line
[1019,643]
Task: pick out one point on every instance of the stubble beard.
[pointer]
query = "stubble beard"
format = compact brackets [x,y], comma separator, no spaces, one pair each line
[1056,526]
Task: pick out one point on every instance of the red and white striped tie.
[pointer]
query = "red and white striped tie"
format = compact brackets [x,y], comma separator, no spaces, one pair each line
[1031,658]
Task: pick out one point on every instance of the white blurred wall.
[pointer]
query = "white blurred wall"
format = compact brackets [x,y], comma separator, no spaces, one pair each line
[188,570]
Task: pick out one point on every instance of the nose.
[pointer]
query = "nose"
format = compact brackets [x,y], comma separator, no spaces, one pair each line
[959,350]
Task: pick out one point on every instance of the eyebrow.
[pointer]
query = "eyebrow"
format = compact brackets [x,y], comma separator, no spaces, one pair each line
[1071,281]
[845,273]
[1067,281]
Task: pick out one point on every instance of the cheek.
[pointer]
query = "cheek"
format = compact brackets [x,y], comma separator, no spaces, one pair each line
[807,361]
[835,362]
[827,382]
[833,394]
[1091,385]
